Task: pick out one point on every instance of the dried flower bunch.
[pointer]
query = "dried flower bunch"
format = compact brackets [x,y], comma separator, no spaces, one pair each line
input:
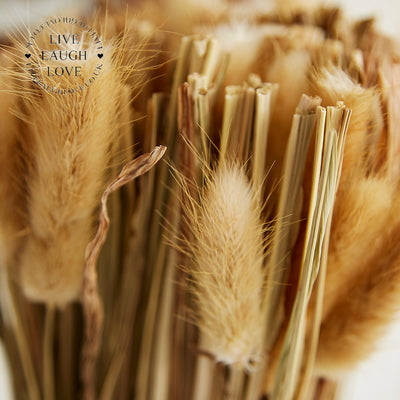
[261,259]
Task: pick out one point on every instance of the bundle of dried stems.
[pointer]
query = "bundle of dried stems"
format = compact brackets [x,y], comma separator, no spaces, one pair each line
[261,260]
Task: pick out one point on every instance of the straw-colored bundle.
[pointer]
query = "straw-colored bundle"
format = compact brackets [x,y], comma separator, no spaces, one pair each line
[266,264]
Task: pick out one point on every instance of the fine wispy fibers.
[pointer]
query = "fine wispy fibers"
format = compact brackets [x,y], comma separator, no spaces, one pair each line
[261,258]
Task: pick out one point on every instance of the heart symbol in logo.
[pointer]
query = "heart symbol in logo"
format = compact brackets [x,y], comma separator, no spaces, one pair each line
[100,55]
[27,55]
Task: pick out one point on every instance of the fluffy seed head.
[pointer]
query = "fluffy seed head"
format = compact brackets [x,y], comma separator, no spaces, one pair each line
[361,154]
[227,267]
[67,144]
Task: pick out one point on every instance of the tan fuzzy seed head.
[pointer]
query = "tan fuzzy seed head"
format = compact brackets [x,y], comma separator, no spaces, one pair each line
[362,144]
[227,267]
[68,144]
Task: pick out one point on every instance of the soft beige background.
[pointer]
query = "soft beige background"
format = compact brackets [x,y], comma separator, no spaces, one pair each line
[378,377]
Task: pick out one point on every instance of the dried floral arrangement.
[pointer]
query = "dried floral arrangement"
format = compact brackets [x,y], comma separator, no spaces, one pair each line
[258,260]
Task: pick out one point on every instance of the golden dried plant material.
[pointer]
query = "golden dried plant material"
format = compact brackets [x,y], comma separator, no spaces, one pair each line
[183,17]
[331,130]
[227,267]
[362,314]
[289,208]
[362,152]
[359,206]
[11,170]
[92,305]
[68,148]
[290,71]
[359,295]
[242,41]
[390,94]
[331,53]
[376,48]
[232,280]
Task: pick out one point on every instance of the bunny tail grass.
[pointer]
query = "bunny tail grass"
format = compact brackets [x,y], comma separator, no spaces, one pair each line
[227,267]
[352,329]
[67,144]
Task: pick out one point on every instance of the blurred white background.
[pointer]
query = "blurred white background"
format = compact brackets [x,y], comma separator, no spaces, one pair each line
[376,378]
